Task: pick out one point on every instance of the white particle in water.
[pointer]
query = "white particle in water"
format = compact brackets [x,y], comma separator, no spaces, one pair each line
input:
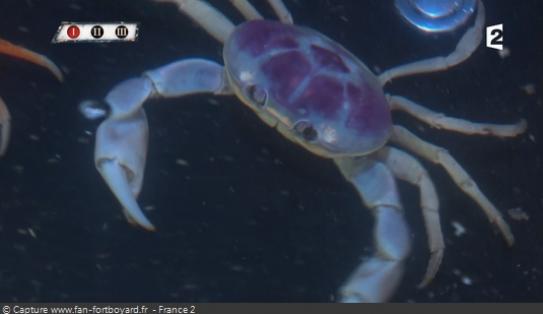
[504,53]
[459,229]
[182,162]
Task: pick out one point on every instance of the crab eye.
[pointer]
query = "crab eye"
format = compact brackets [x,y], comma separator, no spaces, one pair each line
[306,130]
[257,95]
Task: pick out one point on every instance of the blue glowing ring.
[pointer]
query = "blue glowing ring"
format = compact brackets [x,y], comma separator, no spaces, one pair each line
[436,15]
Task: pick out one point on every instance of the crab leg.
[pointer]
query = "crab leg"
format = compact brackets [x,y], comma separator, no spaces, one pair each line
[375,279]
[205,15]
[246,9]
[439,155]
[5,127]
[121,140]
[250,13]
[465,47]
[441,121]
[281,10]
[19,52]
[407,168]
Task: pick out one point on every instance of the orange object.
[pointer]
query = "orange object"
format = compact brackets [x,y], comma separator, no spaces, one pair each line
[22,53]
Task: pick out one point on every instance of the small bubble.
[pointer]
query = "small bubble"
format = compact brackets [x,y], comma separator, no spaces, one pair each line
[528,88]
[181,162]
[504,53]
[459,229]
[467,281]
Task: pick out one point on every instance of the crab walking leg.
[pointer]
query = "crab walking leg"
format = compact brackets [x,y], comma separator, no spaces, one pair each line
[281,10]
[19,52]
[441,121]
[205,15]
[246,9]
[465,47]
[121,139]
[376,279]
[439,155]
[5,127]
[407,168]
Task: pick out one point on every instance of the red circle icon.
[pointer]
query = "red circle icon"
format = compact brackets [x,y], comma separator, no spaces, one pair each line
[73,31]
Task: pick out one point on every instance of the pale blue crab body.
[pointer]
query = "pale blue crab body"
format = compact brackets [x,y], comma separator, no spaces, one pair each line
[317,94]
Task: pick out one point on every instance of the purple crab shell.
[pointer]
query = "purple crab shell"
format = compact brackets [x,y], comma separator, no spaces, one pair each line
[310,78]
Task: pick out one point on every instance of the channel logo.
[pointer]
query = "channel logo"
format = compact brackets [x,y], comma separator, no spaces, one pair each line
[494,36]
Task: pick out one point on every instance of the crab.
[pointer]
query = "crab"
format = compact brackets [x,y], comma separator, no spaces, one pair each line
[318,95]
[22,53]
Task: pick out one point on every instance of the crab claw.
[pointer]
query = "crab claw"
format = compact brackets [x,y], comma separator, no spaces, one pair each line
[120,152]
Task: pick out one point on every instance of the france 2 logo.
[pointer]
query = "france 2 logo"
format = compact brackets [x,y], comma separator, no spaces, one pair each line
[494,36]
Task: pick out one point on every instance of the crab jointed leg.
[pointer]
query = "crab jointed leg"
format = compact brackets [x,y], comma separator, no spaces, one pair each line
[121,140]
[218,25]
[407,168]
[441,121]
[209,18]
[465,47]
[375,279]
[250,13]
[441,156]
[246,9]
[281,11]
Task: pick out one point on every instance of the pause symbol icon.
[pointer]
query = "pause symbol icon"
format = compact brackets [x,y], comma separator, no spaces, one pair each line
[97,31]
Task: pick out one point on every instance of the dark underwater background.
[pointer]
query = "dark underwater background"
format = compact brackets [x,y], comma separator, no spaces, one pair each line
[243,214]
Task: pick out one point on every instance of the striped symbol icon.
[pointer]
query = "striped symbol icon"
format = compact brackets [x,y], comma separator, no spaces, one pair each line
[97,31]
[121,31]
[73,31]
